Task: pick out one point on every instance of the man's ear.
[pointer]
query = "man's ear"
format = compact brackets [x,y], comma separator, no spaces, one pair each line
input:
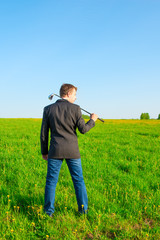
[69,93]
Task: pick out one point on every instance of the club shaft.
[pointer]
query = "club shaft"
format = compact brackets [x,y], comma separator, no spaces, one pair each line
[90,114]
[83,109]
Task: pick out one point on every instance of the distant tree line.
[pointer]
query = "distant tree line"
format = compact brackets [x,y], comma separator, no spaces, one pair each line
[146,116]
[85,116]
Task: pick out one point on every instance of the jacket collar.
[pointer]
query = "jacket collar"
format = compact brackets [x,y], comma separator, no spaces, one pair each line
[62,100]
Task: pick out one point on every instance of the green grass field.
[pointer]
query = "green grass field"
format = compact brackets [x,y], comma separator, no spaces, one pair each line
[121,167]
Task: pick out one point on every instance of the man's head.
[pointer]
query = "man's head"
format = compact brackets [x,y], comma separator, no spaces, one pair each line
[68,91]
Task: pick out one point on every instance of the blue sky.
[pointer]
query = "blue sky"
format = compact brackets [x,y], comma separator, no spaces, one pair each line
[109,49]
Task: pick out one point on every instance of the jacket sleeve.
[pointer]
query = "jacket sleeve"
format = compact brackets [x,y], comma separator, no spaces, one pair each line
[44,133]
[82,126]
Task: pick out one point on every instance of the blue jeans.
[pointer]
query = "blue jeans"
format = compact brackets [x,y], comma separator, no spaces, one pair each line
[75,168]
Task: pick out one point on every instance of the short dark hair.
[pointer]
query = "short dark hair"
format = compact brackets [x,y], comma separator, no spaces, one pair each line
[66,88]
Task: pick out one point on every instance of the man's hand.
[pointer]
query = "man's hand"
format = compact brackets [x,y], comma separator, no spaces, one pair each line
[45,157]
[94,116]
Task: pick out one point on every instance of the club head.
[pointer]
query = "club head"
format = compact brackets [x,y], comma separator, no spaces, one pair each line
[51,96]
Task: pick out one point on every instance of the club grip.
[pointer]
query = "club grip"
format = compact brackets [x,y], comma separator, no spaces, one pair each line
[101,120]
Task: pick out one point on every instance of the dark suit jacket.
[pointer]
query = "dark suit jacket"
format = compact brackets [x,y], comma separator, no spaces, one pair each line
[62,118]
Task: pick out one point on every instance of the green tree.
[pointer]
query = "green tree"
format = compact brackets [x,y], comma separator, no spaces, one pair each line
[158,117]
[85,116]
[145,116]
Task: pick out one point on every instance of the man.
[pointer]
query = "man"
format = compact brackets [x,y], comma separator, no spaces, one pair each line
[62,118]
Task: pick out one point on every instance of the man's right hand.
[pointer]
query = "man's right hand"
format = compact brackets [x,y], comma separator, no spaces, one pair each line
[45,157]
[94,116]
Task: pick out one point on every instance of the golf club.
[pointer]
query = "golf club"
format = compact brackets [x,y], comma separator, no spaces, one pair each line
[53,94]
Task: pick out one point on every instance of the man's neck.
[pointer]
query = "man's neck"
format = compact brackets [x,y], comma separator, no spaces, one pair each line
[65,98]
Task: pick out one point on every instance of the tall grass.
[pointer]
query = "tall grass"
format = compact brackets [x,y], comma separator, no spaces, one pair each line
[121,167]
